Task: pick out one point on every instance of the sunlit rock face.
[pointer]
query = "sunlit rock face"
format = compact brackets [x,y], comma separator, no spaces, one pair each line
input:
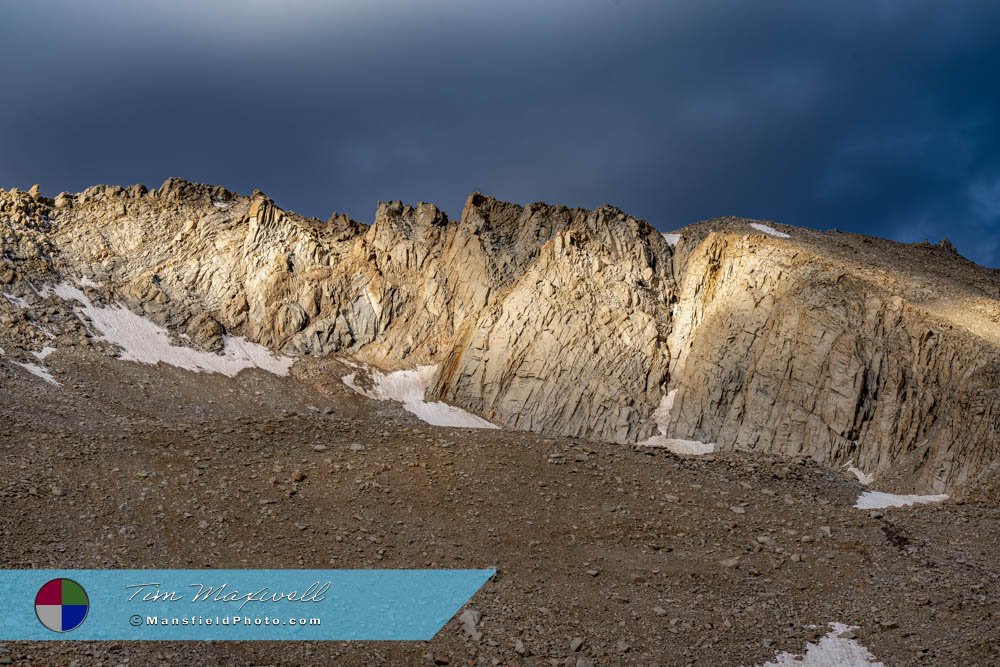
[562,321]
[578,344]
[817,347]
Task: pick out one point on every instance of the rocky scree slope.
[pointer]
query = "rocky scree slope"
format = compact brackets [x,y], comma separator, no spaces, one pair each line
[564,321]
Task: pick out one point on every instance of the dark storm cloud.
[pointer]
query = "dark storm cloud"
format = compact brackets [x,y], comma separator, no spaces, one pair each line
[876,117]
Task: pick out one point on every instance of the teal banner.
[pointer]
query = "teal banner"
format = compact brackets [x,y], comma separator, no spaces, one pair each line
[243,605]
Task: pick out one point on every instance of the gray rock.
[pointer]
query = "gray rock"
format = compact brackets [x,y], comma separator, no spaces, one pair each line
[470,621]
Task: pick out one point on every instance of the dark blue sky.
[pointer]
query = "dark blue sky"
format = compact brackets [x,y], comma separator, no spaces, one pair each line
[879,117]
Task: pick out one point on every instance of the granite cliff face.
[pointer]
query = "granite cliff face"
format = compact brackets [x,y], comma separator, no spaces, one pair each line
[562,321]
[841,348]
[577,345]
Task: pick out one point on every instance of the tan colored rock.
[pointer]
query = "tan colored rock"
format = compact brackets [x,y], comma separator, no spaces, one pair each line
[577,346]
[808,347]
[572,322]
[205,331]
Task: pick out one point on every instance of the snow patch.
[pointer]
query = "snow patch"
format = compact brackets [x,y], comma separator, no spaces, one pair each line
[38,371]
[87,282]
[44,352]
[221,205]
[768,229]
[676,445]
[17,300]
[408,387]
[679,446]
[862,476]
[672,239]
[832,650]
[146,342]
[876,500]
[662,413]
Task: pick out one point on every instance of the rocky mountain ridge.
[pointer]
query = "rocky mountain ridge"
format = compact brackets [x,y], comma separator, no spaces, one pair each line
[563,321]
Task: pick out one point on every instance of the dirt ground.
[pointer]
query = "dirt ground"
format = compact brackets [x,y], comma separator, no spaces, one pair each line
[606,555]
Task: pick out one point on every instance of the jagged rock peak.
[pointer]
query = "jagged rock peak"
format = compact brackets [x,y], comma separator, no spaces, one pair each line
[263,211]
[174,189]
[948,246]
[396,212]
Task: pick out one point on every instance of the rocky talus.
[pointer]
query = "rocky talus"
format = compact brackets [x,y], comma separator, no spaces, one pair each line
[561,321]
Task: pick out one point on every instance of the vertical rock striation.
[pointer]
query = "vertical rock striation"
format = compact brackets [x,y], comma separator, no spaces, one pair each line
[785,348]
[577,345]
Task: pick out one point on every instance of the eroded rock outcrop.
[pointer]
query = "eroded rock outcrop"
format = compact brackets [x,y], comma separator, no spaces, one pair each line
[563,321]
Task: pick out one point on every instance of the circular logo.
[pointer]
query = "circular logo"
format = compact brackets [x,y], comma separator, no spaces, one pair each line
[61,605]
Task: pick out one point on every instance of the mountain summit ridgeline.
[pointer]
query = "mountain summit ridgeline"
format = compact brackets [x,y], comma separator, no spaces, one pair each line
[586,323]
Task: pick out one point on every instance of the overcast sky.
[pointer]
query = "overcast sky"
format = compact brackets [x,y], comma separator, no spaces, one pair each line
[879,117]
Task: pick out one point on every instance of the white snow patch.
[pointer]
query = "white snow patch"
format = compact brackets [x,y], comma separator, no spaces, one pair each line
[408,387]
[768,229]
[18,301]
[38,371]
[862,476]
[662,413]
[87,282]
[221,205]
[679,446]
[146,342]
[349,380]
[831,651]
[875,500]
[672,239]
[676,445]
[44,352]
